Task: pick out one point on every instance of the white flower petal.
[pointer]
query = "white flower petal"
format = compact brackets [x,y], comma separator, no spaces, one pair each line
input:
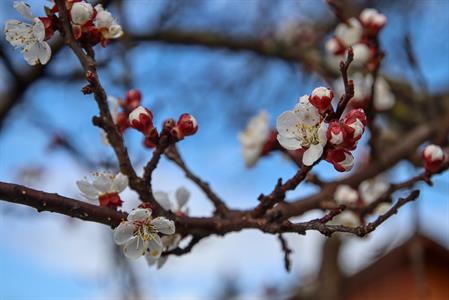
[163,200]
[286,124]
[87,188]
[161,261]
[123,233]
[251,155]
[289,143]
[103,182]
[119,183]
[135,248]
[163,225]
[170,242]
[312,154]
[38,53]
[139,214]
[322,133]
[38,29]
[155,246]
[182,196]
[150,259]
[24,9]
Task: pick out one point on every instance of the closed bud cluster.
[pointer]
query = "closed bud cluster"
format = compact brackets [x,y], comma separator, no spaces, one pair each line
[360,34]
[433,156]
[343,137]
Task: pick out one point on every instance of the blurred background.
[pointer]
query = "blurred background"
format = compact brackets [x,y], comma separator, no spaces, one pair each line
[205,58]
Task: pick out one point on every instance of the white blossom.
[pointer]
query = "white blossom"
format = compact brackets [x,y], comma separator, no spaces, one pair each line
[344,194]
[140,233]
[302,128]
[346,218]
[372,189]
[362,54]
[30,38]
[108,26]
[254,137]
[182,196]
[350,33]
[103,183]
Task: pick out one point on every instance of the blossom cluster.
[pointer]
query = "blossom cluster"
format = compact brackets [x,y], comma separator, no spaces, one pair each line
[133,115]
[90,24]
[308,129]
[360,34]
[368,191]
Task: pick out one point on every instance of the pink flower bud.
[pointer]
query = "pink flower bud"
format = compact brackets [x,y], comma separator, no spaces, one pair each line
[433,156]
[141,119]
[341,159]
[335,133]
[321,98]
[187,124]
[354,123]
[372,20]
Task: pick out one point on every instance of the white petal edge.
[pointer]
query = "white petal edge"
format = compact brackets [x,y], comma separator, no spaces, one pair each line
[119,183]
[164,225]
[182,196]
[286,124]
[163,200]
[289,143]
[312,154]
[139,214]
[135,248]
[23,9]
[123,233]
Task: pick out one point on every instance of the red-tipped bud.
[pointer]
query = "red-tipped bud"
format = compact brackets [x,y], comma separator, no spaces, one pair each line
[187,124]
[141,119]
[372,21]
[110,200]
[341,159]
[321,98]
[335,133]
[133,98]
[433,156]
[354,123]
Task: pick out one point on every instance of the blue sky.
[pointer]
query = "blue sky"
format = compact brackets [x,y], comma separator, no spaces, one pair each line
[69,260]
